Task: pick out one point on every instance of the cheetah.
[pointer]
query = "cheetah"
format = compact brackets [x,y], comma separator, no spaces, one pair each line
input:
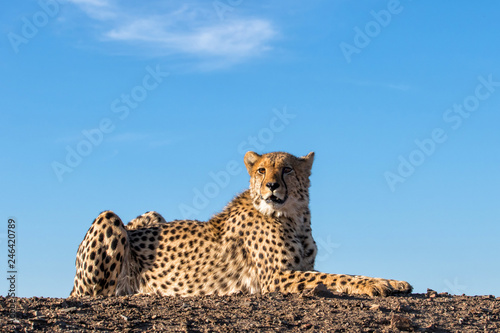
[260,243]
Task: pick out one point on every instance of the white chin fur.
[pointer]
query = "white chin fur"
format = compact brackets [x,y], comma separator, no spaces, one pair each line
[269,209]
[265,208]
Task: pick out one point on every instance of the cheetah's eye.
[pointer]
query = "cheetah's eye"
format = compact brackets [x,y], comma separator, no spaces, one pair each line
[261,171]
[287,170]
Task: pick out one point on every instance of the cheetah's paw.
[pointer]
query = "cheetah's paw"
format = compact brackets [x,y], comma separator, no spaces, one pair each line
[383,287]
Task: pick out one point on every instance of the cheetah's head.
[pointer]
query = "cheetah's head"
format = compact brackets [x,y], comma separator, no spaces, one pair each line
[279,182]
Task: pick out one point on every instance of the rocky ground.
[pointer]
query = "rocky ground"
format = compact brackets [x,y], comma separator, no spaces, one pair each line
[313,311]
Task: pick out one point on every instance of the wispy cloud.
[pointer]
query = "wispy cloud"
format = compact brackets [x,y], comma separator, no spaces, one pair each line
[192,29]
[237,39]
[96,9]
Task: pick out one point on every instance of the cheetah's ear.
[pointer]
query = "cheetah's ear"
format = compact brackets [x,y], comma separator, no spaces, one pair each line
[250,159]
[308,159]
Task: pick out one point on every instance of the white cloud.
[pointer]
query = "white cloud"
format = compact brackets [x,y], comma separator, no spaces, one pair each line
[241,38]
[95,3]
[101,10]
[192,29]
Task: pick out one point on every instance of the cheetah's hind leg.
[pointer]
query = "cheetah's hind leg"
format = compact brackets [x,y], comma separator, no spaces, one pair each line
[146,220]
[102,260]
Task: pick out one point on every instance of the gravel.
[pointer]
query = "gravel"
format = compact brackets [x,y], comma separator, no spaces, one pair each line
[312,311]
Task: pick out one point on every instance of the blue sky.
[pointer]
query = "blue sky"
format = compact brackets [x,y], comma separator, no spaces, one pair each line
[109,104]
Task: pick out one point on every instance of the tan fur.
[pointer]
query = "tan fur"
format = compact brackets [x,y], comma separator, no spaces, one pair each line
[261,242]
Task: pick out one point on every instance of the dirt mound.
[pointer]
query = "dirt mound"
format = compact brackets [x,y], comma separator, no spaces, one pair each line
[313,311]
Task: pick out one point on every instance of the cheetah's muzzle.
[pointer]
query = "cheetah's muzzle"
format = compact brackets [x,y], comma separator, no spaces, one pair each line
[275,200]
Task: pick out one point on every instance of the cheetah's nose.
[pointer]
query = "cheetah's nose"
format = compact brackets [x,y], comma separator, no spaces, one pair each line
[272,186]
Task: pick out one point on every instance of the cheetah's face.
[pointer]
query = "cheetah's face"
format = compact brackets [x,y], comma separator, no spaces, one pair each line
[279,182]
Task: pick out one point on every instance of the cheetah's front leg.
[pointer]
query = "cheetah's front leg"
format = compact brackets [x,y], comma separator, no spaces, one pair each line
[296,281]
[101,257]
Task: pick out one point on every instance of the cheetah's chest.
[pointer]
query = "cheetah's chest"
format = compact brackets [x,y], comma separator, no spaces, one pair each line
[276,248]
[293,253]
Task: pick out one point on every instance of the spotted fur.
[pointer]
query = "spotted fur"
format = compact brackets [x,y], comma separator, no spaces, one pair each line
[261,242]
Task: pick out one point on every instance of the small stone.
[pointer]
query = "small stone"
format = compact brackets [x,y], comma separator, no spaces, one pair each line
[72,309]
[306,326]
[431,293]
[273,294]
[375,307]
[401,322]
[430,327]
[124,318]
